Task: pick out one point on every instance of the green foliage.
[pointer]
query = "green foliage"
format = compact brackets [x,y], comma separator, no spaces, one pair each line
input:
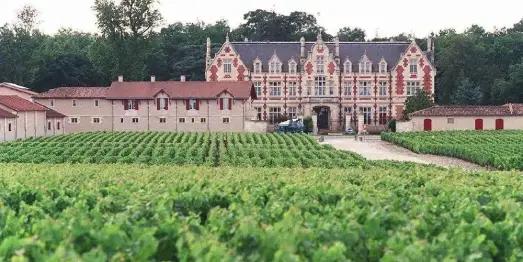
[163,213]
[391,125]
[351,34]
[467,93]
[498,149]
[208,149]
[419,101]
[308,124]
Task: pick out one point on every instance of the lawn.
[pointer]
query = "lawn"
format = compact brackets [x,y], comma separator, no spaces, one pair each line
[498,149]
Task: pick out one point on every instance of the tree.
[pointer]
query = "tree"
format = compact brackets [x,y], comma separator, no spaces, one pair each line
[351,34]
[467,93]
[27,18]
[419,101]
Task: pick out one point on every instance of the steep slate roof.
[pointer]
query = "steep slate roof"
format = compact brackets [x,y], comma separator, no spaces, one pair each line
[175,89]
[503,110]
[19,104]
[5,114]
[390,51]
[75,92]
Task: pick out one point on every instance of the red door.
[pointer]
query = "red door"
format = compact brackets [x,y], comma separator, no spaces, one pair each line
[427,125]
[499,124]
[479,124]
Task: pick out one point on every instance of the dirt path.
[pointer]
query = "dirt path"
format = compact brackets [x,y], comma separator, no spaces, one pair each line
[376,149]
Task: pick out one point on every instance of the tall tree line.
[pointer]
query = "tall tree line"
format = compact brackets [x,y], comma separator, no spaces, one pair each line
[474,66]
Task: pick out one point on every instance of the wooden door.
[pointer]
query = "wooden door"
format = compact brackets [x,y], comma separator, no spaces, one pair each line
[427,125]
[500,125]
[478,125]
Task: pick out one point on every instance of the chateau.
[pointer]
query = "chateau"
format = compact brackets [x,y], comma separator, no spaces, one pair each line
[334,80]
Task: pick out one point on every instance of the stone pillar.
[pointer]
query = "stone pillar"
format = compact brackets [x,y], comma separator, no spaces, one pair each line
[360,120]
[314,124]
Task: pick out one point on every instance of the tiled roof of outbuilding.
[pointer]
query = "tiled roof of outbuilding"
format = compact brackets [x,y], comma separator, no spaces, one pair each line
[75,92]
[175,89]
[459,110]
[19,104]
[50,113]
[5,114]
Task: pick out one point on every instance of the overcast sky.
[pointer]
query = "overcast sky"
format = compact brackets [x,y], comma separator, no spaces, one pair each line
[381,17]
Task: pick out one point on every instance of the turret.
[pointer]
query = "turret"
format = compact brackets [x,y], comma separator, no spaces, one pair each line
[337,47]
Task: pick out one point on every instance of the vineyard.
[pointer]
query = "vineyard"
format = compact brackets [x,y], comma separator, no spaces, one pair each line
[207,149]
[499,149]
[166,213]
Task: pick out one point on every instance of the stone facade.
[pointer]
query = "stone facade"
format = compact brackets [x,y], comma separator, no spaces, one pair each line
[331,80]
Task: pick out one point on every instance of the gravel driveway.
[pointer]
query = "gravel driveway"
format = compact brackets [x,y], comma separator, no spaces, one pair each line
[373,148]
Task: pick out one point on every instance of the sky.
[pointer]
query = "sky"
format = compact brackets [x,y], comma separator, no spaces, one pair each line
[377,17]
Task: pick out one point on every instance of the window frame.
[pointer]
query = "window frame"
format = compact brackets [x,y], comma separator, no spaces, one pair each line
[163,120]
[383,88]
[413,66]
[273,87]
[412,87]
[181,120]
[320,64]
[274,113]
[96,120]
[135,120]
[291,88]
[367,115]
[320,86]
[227,66]
[364,90]
[226,120]
[292,112]
[347,67]
[293,67]
[258,88]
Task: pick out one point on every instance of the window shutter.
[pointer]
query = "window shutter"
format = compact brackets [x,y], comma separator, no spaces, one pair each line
[187,104]
[230,103]
[137,104]
[125,104]
[197,104]
[166,103]
[158,103]
[221,103]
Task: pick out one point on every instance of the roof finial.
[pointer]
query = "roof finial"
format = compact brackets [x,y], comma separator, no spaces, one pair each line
[319,36]
[227,38]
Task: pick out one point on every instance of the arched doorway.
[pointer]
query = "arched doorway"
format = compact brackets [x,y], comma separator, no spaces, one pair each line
[323,113]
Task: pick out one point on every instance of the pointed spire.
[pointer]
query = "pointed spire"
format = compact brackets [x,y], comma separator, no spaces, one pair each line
[227,38]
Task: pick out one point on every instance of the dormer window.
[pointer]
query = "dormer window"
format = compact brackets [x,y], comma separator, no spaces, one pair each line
[365,65]
[274,65]
[292,67]
[257,67]
[383,66]
[347,67]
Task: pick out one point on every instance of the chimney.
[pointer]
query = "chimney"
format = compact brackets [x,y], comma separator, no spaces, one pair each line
[120,78]
[182,78]
[337,44]
[153,78]
[302,47]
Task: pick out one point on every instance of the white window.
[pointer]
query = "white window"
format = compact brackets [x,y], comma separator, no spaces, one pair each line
[292,112]
[275,88]
[203,120]
[96,120]
[258,88]
[367,115]
[135,120]
[319,86]
[227,66]
[181,120]
[320,65]
[291,88]
[383,67]
[274,113]
[274,67]
[364,88]
[226,120]
[413,66]
[258,110]
[347,67]
[131,104]
[257,67]
[192,104]
[292,68]
[365,65]
[96,103]
[225,103]
[162,103]
[412,87]
[74,102]
[383,88]
[73,120]
[347,88]
[347,110]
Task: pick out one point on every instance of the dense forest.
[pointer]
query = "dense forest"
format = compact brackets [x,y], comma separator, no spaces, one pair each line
[474,66]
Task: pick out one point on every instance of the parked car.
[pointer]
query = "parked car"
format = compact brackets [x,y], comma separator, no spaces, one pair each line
[291,126]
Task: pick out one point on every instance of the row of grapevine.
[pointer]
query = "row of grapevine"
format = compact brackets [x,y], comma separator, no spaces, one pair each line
[209,149]
[498,149]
